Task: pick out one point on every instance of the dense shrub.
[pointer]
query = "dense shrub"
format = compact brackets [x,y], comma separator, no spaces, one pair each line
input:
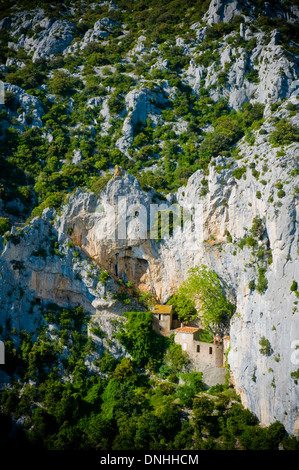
[284,133]
[63,84]
[183,308]
[140,340]
[116,103]
[265,346]
[4,225]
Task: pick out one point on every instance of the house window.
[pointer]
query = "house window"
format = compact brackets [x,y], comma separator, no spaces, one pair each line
[198,348]
[210,350]
[184,346]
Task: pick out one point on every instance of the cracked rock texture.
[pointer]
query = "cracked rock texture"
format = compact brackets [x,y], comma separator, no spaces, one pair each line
[229,206]
[60,258]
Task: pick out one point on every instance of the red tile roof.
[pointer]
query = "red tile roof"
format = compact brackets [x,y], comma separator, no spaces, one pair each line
[186,329]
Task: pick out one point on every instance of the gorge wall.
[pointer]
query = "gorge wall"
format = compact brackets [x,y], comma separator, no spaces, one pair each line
[228,211]
[244,205]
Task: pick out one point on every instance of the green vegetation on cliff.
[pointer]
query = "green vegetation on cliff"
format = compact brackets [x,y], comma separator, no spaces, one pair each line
[120,405]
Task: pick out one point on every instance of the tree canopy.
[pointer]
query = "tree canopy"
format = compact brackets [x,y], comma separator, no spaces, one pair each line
[204,289]
[183,307]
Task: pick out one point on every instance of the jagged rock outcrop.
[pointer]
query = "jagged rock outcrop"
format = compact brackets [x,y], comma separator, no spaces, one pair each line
[160,267]
[53,38]
[141,104]
[30,106]
[229,207]
[241,226]
[101,30]
[276,74]
[37,269]
[224,10]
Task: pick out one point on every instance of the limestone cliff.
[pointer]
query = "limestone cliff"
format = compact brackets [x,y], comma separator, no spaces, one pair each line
[241,209]
[227,212]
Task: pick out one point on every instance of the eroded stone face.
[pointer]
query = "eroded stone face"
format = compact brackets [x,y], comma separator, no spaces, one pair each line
[229,206]
[226,214]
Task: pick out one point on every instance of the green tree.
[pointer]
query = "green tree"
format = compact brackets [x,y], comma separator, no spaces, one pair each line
[183,307]
[175,359]
[265,346]
[96,432]
[4,225]
[140,340]
[63,84]
[193,384]
[203,287]
[203,408]
[124,371]
[284,133]
[116,103]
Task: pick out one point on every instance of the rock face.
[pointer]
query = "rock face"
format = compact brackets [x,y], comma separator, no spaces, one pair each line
[55,35]
[94,228]
[31,107]
[54,39]
[141,104]
[237,222]
[275,73]
[101,30]
[224,11]
[39,267]
[229,207]
[222,218]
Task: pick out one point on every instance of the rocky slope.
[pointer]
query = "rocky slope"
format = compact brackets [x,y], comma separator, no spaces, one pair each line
[230,207]
[244,204]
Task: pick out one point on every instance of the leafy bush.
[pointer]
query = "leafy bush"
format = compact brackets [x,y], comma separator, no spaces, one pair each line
[265,346]
[294,286]
[253,76]
[4,225]
[63,84]
[183,307]
[175,360]
[193,384]
[140,340]
[251,285]
[281,193]
[215,309]
[103,276]
[116,103]
[262,282]
[98,184]
[239,172]
[284,133]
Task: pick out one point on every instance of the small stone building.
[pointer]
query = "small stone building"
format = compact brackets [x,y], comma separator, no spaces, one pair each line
[200,352]
[162,319]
